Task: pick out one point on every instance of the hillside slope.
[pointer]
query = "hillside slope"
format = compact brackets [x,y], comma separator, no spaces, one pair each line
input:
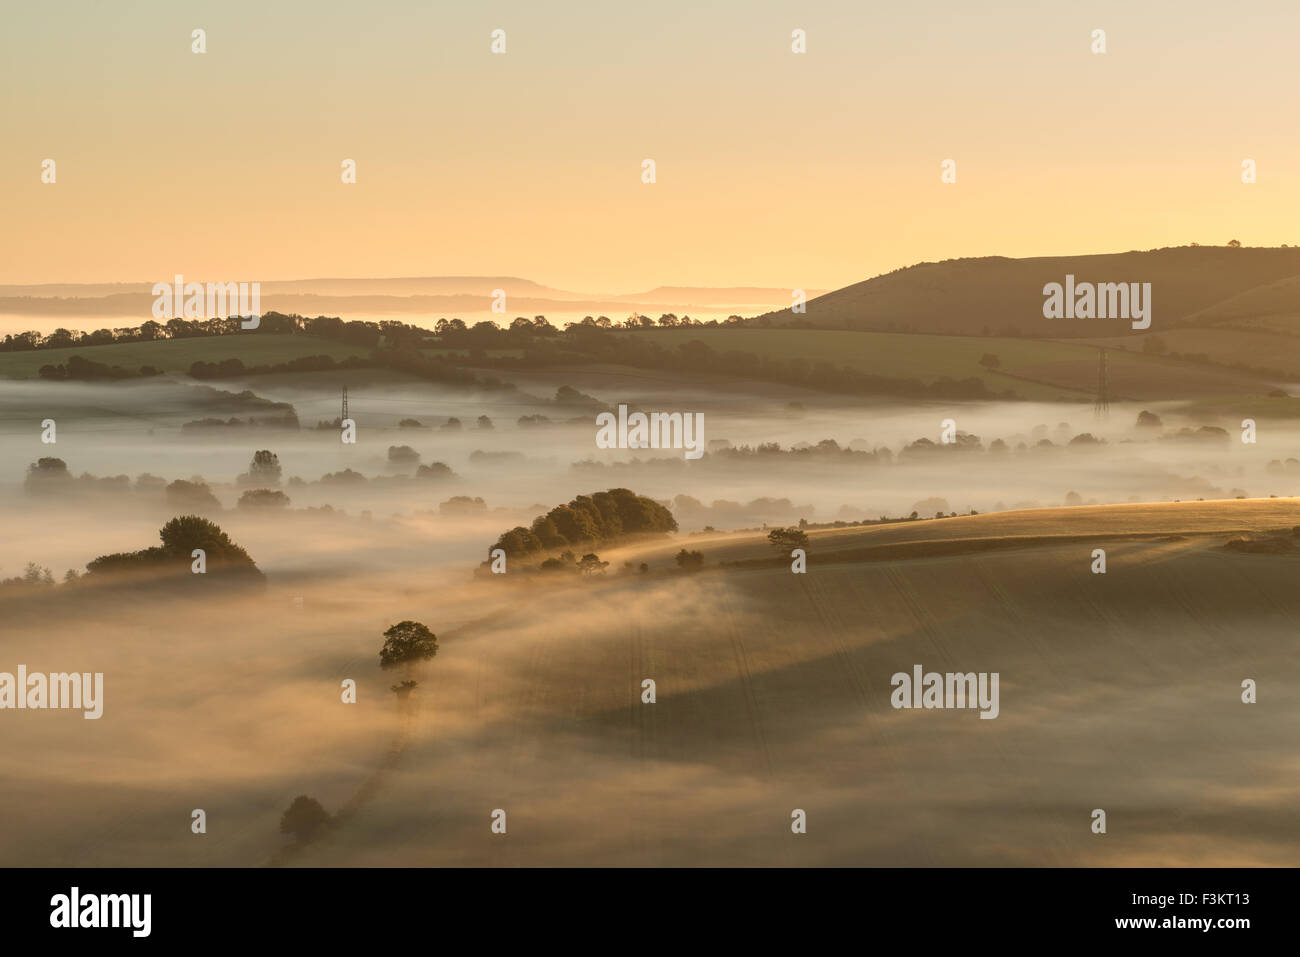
[996,295]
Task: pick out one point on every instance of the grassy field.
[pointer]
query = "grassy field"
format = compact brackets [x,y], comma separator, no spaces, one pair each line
[177,355]
[1227,346]
[1033,368]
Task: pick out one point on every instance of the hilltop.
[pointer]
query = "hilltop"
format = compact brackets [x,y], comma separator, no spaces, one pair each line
[996,295]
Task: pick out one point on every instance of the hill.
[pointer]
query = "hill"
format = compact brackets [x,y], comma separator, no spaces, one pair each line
[1120,691]
[996,295]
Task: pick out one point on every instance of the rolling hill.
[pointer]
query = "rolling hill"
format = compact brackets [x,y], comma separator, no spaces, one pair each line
[1000,296]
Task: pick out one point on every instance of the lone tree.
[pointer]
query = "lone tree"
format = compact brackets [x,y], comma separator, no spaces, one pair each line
[406,643]
[784,539]
[590,564]
[305,819]
[265,468]
[990,361]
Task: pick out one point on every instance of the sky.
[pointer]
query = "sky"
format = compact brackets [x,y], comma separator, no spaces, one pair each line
[811,170]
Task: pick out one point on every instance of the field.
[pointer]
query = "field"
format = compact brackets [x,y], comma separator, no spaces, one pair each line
[1226,346]
[1119,691]
[1040,369]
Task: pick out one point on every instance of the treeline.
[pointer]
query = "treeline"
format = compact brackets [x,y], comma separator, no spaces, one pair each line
[536,344]
[87,370]
[367,335]
[589,520]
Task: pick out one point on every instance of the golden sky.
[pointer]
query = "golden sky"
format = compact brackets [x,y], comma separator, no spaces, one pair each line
[813,170]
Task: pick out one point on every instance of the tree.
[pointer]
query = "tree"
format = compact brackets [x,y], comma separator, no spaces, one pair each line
[180,537]
[590,564]
[305,819]
[785,539]
[438,470]
[406,643]
[183,534]
[263,497]
[46,475]
[1148,420]
[990,361]
[193,496]
[1234,243]
[265,468]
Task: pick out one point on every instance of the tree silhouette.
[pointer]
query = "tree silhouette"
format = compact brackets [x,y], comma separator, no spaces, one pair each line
[404,689]
[305,819]
[406,643]
[785,539]
[690,561]
[265,468]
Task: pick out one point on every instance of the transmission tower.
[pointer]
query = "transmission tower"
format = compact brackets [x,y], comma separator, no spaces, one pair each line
[1102,405]
[344,416]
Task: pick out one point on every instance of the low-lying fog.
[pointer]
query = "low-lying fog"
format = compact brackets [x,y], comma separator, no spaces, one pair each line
[132,429]
[233,705]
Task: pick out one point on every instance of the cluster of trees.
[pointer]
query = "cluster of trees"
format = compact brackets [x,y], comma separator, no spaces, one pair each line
[263,498]
[786,539]
[50,476]
[284,420]
[453,424]
[181,537]
[589,519]
[78,369]
[690,561]
[34,574]
[827,449]
[588,565]
[365,334]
